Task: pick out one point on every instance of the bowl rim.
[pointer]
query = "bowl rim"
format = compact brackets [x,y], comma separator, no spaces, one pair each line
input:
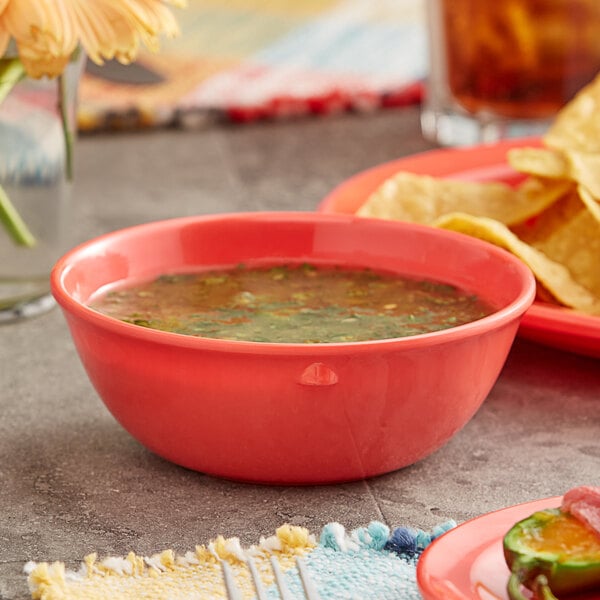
[497,319]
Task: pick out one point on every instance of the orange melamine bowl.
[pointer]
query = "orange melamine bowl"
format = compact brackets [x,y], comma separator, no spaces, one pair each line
[291,413]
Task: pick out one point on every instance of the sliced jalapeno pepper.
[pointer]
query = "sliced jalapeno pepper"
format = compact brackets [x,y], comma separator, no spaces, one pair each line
[551,552]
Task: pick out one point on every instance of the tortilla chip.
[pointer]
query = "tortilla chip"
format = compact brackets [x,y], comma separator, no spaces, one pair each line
[585,170]
[536,195]
[569,234]
[553,276]
[541,162]
[569,165]
[422,199]
[550,220]
[577,125]
[590,203]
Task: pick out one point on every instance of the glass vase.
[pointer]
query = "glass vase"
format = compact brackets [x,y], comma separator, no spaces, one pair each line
[37,135]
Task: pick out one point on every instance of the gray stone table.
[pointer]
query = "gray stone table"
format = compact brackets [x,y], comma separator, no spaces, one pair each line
[73,481]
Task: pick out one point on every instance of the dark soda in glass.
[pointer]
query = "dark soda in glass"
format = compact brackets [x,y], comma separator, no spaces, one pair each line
[519,58]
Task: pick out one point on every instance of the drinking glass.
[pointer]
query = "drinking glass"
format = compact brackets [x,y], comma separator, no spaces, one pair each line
[504,68]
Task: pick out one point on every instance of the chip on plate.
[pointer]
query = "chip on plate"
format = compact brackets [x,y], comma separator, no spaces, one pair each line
[550,219]
[577,125]
[422,199]
[580,168]
[541,162]
[554,277]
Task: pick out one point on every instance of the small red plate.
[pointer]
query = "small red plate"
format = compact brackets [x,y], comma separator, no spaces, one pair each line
[467,563]
[543,323]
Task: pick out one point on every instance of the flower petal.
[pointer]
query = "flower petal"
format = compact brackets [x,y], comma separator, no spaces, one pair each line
[48,31]
[4,40]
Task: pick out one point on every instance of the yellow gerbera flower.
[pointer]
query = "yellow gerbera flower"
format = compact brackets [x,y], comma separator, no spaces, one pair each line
[47,32]
[4,35]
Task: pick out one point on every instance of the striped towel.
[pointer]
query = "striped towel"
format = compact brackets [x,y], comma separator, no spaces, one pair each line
[370,562]
[242,60]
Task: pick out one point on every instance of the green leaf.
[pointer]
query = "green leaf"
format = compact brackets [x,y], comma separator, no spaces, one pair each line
[13,223]
[11,72]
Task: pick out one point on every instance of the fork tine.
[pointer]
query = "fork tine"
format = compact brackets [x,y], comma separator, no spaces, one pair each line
[309,587]
[233,592]
[282,587]
[261,594]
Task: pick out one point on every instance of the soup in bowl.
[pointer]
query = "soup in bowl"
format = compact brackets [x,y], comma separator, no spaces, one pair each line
[291,348]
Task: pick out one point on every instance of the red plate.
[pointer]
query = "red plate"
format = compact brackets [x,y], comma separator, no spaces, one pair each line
[467,563]
[547,324]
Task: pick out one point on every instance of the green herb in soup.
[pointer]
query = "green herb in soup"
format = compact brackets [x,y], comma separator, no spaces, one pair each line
[293,303]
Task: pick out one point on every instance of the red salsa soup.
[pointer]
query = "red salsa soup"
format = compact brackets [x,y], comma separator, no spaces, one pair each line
[293,304]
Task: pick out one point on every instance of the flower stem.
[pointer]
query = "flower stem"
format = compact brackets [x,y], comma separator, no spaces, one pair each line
[63,107]
[14,225]
[11,72]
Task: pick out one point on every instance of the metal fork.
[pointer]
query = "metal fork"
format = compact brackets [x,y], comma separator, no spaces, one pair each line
[234,593]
